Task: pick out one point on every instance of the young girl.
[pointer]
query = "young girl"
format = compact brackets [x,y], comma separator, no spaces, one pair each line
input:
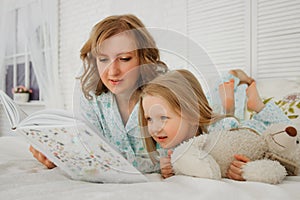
[119,56]
[173,108]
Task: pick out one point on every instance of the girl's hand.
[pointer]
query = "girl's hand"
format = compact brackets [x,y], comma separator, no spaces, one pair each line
[235,169]
[166,166]
[40,157]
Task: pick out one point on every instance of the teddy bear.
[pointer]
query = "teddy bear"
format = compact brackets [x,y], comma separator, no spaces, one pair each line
[273,154]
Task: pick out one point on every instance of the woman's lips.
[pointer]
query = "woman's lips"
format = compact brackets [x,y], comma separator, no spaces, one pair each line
[115,82]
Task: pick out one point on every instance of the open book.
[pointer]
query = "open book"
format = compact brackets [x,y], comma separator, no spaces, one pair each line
[71,144]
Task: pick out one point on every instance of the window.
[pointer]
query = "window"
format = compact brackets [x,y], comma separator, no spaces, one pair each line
[259,36]
[19,70]
[276,37]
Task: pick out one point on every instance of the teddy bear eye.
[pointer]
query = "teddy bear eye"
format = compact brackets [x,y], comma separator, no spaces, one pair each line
[297,142]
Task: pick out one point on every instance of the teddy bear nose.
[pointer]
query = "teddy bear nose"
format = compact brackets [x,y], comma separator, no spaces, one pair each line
[291,131]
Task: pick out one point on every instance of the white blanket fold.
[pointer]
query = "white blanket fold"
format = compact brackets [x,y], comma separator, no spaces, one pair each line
[22,177]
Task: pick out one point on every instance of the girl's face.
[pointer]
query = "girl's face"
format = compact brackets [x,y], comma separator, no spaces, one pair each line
[165,126]
[118,64]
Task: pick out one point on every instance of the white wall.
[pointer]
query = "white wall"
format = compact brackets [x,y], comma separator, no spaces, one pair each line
[77,18]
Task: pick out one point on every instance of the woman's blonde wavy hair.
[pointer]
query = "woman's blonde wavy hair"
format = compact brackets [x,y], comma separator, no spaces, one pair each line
[147,52]
[183,92]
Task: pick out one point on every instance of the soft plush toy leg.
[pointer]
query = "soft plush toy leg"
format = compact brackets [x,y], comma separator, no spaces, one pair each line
[266,171]
[198,164]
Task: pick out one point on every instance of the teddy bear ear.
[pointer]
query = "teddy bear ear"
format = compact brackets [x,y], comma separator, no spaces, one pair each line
[291,131]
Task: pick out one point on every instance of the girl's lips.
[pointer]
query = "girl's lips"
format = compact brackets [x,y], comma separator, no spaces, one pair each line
[161,138]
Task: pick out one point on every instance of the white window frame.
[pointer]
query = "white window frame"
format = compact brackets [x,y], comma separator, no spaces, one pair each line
[16,58]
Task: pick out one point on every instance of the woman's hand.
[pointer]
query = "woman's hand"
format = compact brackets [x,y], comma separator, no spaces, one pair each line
[40,157]
[235,169]
[166,166]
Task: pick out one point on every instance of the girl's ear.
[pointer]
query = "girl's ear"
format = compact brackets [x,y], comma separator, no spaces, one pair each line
[194,130]
[194,123]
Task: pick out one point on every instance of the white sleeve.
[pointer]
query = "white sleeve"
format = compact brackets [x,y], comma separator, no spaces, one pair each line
[224,124]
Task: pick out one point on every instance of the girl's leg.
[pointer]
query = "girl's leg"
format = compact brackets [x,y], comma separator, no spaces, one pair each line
[216,97]
[240,74]
[226,92]
[254,102]
[266,114]
[240,92]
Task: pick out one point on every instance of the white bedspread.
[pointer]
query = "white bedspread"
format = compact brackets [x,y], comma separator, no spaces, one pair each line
[22,177]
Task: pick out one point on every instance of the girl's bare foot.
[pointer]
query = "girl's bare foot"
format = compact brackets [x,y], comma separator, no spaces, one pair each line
[226,91]
[254,102]
[244,78]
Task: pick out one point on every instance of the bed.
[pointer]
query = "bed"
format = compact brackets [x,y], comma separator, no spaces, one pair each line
[22,177]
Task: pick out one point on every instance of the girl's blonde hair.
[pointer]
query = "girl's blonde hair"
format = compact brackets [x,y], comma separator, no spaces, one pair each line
[183,92]
[147,52]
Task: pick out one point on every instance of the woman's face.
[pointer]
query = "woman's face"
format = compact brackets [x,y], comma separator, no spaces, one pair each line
[118,64]
[164,125]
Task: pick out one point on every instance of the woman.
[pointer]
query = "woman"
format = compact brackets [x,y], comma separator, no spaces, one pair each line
[119,57]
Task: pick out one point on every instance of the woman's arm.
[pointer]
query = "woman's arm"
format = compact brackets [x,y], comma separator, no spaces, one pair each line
[85,107]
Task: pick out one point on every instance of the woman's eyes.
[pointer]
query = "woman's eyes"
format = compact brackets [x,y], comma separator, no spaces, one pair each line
[103,59]
[122,59]
[126,59]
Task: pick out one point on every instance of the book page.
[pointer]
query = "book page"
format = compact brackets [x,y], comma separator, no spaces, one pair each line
[48,117]
[13,112]
[81,153]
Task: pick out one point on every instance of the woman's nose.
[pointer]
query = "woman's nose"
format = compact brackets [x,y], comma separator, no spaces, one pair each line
[114,68]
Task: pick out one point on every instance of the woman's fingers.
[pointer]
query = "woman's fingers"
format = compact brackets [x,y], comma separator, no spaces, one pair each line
[41,158]
[49,164]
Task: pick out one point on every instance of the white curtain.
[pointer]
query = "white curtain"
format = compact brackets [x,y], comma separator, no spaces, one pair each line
[40,24]
[4,5]
[40,20]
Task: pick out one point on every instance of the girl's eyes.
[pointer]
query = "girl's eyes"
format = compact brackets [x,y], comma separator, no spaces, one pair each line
[148,119]
[164,117]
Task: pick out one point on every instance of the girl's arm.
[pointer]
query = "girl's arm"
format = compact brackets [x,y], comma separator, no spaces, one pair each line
[235,169]
[166,166]
[224,124]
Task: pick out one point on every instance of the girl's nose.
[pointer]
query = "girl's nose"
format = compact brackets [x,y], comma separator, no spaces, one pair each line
[156,127]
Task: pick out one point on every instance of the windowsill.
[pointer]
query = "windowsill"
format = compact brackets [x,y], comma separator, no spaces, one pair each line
[29,107]
[31,103]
